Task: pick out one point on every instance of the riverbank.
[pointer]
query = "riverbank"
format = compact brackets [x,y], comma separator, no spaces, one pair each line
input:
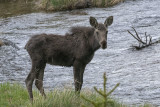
[58,5]
[17,7]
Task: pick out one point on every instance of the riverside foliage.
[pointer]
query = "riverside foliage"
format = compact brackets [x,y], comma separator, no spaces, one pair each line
[15,95]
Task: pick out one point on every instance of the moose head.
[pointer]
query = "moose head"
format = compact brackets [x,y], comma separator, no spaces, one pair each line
[101,30]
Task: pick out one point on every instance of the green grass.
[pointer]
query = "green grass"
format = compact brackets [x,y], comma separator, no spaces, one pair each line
[15,95]
[12,95]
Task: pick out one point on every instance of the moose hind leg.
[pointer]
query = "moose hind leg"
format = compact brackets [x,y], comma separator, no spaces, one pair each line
[29,81]
[36,65]
[39,81]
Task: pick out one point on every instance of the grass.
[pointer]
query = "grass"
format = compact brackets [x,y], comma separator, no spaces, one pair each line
[12,95]
[15,95]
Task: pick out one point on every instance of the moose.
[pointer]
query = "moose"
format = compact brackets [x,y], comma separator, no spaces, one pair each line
[76,48]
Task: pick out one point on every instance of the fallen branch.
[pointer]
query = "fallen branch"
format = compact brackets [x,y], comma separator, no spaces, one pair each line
[142,42]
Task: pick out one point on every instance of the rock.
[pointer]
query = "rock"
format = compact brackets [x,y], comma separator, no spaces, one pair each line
[8,43]
[1,43]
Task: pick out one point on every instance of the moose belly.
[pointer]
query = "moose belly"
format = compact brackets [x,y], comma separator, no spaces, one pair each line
[61,60]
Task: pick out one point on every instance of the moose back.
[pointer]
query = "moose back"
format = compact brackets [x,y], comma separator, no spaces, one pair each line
[75,48]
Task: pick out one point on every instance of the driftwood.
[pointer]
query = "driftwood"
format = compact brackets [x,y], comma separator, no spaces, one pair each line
[143,41]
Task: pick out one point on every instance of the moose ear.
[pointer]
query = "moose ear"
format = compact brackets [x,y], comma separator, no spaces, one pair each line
[108,21]
[93,22]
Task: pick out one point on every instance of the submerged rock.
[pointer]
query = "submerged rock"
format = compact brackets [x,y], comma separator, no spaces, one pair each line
[8,43]
[1,43]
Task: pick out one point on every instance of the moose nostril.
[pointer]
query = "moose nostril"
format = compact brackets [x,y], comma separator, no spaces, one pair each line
[103,44]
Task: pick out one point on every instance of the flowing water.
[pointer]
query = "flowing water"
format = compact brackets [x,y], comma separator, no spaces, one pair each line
[138,72]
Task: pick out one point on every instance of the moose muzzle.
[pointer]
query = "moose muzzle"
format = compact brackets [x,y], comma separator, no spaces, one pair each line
[103,44]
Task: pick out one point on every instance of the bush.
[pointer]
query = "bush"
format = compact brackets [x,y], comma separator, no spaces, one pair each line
[105,100]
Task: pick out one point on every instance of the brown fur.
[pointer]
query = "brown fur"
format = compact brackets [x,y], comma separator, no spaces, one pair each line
[76,49]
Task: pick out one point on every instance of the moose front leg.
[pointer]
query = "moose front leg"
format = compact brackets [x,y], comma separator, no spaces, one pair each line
[78,70]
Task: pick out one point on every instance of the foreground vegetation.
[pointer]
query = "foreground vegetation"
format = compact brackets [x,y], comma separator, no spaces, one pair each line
[15,95]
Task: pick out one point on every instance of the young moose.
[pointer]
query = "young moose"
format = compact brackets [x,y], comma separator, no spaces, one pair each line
[75,49]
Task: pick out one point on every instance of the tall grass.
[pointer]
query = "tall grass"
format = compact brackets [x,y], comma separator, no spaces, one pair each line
[15,95]
[12,95]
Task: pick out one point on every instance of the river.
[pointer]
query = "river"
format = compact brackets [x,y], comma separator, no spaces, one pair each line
[138,72]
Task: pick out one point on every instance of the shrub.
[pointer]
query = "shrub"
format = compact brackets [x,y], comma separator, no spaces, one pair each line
[106,101]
